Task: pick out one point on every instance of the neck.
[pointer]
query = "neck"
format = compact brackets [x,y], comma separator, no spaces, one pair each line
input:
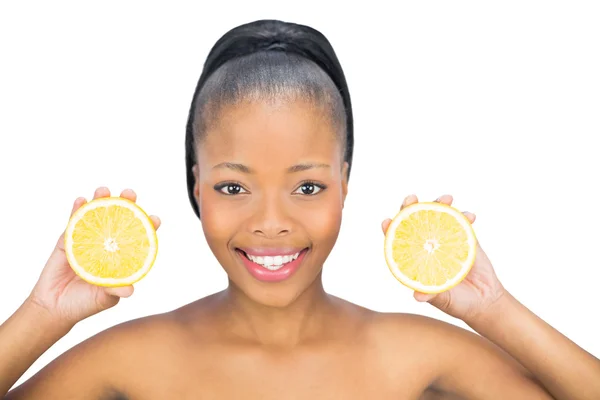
[286,326]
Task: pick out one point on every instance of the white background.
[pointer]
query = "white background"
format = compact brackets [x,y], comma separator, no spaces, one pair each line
[496,103]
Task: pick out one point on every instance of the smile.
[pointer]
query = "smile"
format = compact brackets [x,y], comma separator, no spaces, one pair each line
[271,265]
[273,262]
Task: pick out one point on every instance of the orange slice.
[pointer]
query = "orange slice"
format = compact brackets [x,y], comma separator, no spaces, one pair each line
[430,247]
[111,241]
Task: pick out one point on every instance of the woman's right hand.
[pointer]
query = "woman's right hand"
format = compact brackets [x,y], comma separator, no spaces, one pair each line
[62,293]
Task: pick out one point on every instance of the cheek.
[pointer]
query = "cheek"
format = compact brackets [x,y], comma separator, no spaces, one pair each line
[323,222]
[218,221]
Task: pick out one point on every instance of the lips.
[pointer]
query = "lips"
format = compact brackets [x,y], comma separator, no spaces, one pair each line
[262,269]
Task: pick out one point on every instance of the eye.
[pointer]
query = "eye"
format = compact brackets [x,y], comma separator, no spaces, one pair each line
[230,188]
[309,188]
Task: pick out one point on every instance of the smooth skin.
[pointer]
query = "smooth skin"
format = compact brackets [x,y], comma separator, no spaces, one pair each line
[291,339]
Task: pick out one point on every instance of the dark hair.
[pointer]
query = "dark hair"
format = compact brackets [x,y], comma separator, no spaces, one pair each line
[271,56]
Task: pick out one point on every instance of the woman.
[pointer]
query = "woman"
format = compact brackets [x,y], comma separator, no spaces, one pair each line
[268,151]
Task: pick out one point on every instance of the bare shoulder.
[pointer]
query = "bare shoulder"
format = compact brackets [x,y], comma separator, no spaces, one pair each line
[452,359]
[424,335]
[407,343]
[119,362]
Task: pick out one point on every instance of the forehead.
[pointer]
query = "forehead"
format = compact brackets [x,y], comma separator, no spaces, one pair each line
[270,134]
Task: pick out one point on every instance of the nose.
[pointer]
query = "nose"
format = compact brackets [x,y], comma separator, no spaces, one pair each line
[270,219]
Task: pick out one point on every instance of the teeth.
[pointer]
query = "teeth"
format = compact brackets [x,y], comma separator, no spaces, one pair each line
[273,263]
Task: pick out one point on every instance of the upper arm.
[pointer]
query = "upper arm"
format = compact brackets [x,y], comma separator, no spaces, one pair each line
[473,367]
[86,371]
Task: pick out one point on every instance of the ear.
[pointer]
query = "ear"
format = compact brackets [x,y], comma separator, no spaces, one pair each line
[344,182]
[196,185]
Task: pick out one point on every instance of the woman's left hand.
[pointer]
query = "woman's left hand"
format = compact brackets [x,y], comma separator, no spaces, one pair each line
[475,293]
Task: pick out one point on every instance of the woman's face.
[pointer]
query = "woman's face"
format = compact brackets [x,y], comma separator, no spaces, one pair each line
[270,186]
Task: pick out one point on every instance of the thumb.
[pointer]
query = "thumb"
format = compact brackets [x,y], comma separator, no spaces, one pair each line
[124,291]
[439,300]
[112,295]
[423,297]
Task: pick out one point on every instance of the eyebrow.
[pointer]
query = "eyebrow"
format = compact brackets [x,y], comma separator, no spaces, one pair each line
[235,167]
[247,170]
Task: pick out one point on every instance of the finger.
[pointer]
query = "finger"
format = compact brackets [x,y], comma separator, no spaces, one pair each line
[129,194]
[156,221]
[101,192]
[78,203]
[445,199]
[123,291]
[424,297]
[60,244]
[385,224]
[408,200]
[470,216]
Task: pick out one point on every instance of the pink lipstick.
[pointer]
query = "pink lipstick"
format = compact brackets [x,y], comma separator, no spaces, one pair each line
[261,265]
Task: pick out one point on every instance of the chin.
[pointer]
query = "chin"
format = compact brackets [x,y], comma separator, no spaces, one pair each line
[276,294]
[276,297]
[272,294]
